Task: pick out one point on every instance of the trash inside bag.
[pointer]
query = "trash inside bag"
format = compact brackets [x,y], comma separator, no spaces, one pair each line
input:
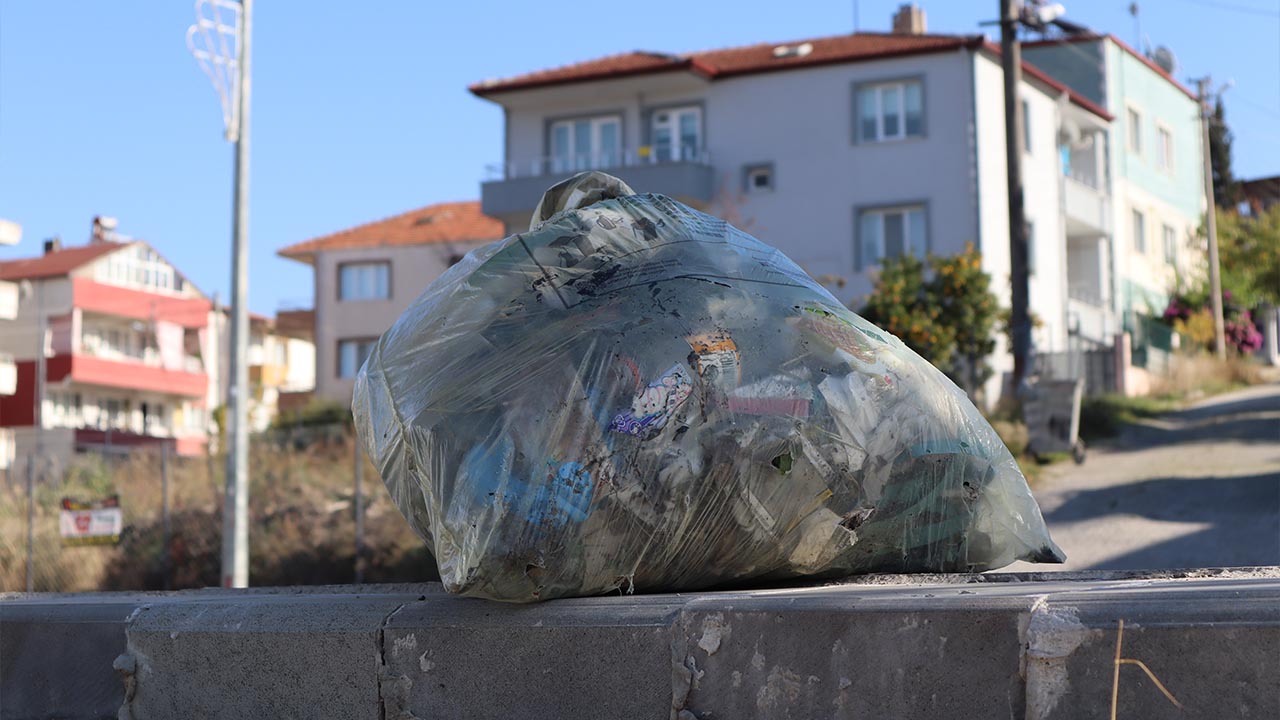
[637,396]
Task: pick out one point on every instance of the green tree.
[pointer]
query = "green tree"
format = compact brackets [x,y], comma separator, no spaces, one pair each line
[1249,256]
[1225,190]
[942,308]
[963,289]
[903,303]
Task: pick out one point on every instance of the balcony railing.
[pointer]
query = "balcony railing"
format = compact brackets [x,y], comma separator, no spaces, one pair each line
[561,165]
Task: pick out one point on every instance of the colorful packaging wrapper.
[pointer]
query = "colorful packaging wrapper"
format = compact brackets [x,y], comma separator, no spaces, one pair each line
[636,396]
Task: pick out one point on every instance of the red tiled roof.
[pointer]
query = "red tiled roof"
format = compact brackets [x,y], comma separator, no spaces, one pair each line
[730,62]
[440,223]
[1092,37]
[1034,72]
[54,264]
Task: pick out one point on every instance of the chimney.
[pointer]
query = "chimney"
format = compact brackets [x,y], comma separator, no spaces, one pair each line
[52,245]
[909,20]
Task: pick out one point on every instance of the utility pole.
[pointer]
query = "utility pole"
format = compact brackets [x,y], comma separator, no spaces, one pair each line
[1211,223]
[1020,321]
[235,536]
[222,46]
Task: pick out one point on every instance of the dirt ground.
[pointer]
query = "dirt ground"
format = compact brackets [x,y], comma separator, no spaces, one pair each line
[1195,488]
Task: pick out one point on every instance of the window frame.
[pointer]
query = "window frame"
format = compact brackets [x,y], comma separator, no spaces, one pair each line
[596,119]
[901,83]
[1164,154]
[353,263]
[650,127]
[1133,130]
[1138,230]
[751,170]
[1169,239]
[369,340]
[860,261]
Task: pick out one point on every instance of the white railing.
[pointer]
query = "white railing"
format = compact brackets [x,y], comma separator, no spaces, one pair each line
[539,167]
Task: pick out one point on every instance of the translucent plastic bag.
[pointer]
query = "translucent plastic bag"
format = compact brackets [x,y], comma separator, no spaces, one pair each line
[635,395]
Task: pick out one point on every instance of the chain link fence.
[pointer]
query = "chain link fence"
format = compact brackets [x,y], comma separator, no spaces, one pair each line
[310,523]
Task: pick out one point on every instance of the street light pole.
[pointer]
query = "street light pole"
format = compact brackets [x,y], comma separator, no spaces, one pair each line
[235,546]
[1211,225]
[1020,319]
[235,525]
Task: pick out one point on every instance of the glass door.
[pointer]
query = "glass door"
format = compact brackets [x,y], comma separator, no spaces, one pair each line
[585,144]
[677,134]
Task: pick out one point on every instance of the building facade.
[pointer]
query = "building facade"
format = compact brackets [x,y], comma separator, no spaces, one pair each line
[366,276]
[122,338]
[10,234]
[1155,174]
[838,151]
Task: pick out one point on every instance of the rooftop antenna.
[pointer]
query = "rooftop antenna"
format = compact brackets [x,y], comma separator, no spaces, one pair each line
[1137,24]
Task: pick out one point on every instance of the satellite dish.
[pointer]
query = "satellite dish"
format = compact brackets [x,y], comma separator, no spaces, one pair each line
[1165,59]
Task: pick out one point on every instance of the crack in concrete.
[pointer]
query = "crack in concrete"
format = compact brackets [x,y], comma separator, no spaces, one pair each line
[400,696]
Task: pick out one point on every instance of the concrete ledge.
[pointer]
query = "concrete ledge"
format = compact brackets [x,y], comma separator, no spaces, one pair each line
[996,645]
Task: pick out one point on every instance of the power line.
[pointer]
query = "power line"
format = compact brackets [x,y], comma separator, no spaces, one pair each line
[1236,8]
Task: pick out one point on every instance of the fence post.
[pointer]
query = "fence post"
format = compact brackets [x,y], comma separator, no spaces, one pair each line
[166,562]
[359,511]
[31,523]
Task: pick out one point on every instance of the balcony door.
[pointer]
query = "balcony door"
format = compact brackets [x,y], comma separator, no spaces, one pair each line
[677,134]
[586,144]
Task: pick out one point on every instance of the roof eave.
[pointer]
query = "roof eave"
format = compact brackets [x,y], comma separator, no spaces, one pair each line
[483,91]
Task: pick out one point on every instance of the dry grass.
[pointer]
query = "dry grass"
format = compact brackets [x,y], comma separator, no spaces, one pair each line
[302,528]
[1198,375]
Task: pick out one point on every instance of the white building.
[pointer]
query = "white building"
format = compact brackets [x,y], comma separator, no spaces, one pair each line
[367,275]
[124,339]
[837,150]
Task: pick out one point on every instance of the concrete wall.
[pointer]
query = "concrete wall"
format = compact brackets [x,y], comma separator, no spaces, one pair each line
[412,269]
[1036,646]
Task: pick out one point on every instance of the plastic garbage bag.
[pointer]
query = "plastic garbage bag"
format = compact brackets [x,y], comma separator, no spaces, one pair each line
[634,395]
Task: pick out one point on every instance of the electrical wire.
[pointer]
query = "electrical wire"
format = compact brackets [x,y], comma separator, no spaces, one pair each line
[1236,8]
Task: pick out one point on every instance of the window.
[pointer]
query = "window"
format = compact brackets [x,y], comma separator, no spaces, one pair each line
[352,354]
[889,111]
[1139,232]
[1170,244]
[281,352]
[141,267]
[1026,127]
[890,232]
[1164,149]
[1134,133]
[586,143]
[677,134]
[364,281]
[757,178]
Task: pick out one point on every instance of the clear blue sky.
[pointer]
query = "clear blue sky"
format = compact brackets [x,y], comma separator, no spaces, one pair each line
[360,110]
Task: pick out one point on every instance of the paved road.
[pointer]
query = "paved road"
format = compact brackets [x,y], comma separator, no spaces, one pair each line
[1195,488]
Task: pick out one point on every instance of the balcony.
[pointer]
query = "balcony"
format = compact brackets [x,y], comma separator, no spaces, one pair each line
[1088,210]
[512,190]
[127,374]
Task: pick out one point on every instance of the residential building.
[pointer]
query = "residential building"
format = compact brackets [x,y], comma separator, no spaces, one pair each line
[366,276]
[10,234]
[1259,195]
[121,335]
[1154,167]
[839,151]
[281,363]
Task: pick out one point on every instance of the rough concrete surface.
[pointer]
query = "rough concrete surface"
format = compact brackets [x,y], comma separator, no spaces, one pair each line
[997,645]
[1195,488]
